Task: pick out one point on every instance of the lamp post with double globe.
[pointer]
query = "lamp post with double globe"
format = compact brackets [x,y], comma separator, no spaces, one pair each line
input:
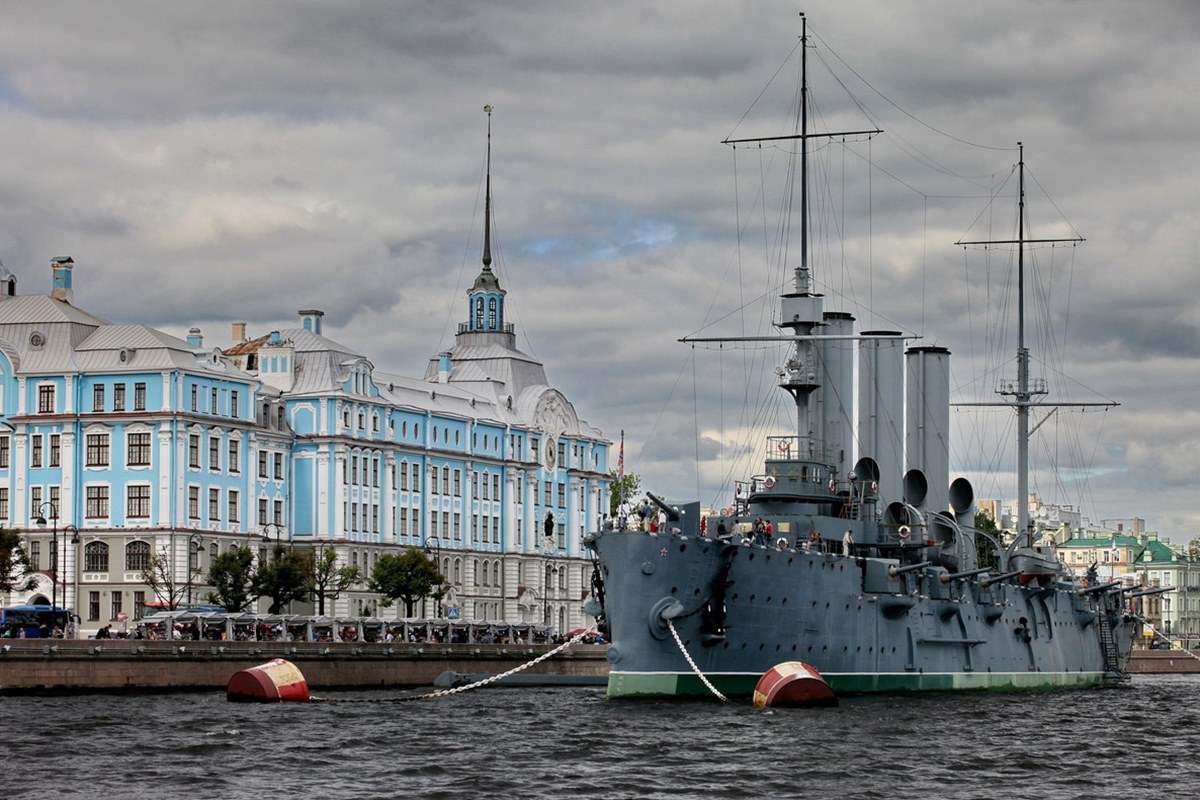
[41,521]
[433,548]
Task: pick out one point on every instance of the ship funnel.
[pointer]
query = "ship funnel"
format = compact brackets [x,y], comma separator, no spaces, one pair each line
[835,397]
[927,421]
[881,407]
[866,470]
[916,488]
[962,501]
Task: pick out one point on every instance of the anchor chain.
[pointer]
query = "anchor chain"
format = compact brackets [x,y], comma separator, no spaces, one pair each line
[692,664]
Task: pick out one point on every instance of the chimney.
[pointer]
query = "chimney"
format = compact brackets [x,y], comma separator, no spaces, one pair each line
[195,338]
[60,278]
[310,319]
[444,367]
[239,332]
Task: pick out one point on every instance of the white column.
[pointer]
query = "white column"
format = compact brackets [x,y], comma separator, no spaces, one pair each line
[388,502]
[510,511]
[166,390]
[162,474]
[66,503]
[323,528]
[252,484]
[69,391]
[340,456]
[20,395]
[532,532]
[18,471]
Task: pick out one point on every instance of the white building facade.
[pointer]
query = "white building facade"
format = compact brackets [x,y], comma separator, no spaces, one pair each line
[130,442]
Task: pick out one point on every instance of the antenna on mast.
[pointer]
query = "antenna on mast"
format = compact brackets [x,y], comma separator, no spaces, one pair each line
[487,203]
[802,273]
[1023,391]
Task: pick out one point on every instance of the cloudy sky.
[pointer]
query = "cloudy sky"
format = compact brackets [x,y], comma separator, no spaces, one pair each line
[206,163]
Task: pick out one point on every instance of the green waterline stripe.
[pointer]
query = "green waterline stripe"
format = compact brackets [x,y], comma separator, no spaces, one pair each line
[672,684]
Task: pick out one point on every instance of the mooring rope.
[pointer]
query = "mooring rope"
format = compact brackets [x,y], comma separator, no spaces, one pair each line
[1166,638]
[692,664]
[476,685]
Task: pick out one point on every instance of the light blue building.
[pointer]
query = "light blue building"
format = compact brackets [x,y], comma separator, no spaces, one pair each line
[151,446]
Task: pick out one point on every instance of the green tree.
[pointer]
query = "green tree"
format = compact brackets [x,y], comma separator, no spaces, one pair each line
[985,547]
[1193,548]
[327,580]
[283,578]
[621,489]
[407,577]
[231,575]
[16,573]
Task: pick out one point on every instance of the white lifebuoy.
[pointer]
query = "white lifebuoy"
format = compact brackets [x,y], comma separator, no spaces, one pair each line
[832,485]
[769,482]
[874,487]
[726,511]
[905,533]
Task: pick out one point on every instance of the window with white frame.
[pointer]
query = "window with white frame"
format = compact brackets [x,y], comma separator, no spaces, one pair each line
[137,501]
[137,449]
[46,398]
[97,449]
[96,505]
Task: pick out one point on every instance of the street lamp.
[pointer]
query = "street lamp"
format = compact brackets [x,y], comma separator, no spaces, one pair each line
[75,575]
[437,561]
[279,534]
[41,520]
[195,537]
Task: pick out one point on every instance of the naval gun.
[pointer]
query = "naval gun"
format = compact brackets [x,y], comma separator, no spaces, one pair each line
[685,517]
[1149,592]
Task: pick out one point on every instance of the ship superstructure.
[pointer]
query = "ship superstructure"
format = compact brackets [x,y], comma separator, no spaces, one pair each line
[853,550]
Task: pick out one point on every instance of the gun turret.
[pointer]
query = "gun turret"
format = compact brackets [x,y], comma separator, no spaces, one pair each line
[1003,576]
[1104,587]
[1149,592]
[894,571]
[671,511]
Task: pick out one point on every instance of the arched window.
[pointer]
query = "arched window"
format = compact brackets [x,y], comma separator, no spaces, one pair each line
[475,565]
[214,550]
[95,557]
[137,556]
[484,578]
[492,313]
[562,578]
[457,570]
[562,620]
[495,573]
[479,314]
[446,568]
[549,577]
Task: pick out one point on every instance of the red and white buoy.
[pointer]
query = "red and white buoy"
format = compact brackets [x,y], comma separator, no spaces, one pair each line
[277,681]
[793,683]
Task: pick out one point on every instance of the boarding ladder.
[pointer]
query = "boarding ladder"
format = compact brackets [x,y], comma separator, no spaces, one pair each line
[1108,648]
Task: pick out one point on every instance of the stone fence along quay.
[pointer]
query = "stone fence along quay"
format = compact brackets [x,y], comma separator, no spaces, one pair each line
[36,665]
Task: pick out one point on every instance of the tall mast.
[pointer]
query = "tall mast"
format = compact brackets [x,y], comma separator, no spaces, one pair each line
[803,150]
[1023,393]
[1022,398]
[487,202]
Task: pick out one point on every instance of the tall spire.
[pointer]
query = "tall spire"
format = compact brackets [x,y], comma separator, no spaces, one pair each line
[487,203]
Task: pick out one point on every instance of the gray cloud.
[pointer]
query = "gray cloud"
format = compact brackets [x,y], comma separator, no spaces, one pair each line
[237,161]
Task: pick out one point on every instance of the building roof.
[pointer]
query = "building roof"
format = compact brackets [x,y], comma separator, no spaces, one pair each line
[1114,540]
[121,337]
[246,347]
[33,308]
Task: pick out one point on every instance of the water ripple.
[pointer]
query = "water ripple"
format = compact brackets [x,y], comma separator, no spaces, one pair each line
[574,743]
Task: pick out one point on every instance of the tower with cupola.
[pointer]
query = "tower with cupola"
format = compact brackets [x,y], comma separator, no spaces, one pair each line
[485,299]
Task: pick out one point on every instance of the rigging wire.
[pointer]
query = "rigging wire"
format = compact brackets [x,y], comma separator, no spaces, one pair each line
[896,105]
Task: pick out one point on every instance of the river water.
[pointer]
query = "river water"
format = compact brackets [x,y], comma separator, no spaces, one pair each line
[573,743]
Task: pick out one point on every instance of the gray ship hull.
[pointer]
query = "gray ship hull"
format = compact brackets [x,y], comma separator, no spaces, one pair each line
[865,630]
